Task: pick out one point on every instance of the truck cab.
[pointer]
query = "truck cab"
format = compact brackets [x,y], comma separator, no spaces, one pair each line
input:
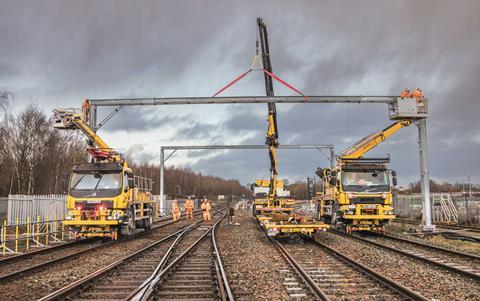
[357,195]
[106,197]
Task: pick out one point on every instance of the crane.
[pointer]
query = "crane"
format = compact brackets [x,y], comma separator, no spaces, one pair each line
[272,132]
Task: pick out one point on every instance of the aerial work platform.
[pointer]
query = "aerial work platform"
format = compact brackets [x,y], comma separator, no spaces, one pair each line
[408,108]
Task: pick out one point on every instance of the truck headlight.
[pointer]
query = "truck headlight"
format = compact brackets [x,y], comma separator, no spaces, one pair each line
[68,217]
[388,212]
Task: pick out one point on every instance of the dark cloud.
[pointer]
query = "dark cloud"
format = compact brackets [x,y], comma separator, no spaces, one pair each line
[7,70]
[57,53]
[135,120]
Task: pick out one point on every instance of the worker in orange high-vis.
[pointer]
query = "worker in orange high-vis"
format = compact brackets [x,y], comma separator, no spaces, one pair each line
[189,205]
[418,94]
[206,209]
[405,93]
[175,211]
[85,110]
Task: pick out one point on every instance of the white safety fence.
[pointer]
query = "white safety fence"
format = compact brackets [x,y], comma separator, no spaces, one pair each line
[35,207]
[53,206]
[467,209]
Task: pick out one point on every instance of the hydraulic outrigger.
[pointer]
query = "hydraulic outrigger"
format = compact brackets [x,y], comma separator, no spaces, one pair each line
[104,196]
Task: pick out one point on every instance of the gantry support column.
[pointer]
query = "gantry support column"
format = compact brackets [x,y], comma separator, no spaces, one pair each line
[162,180]
[424,177]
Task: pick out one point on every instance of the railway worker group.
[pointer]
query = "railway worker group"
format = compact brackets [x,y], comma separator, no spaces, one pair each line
[189,206]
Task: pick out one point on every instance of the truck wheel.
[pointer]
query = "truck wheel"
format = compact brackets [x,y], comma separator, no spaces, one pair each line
[129,228]
[149,221]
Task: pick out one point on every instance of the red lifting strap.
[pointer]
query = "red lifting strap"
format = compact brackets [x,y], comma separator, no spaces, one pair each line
[232,82]
[283,82]
[268,73]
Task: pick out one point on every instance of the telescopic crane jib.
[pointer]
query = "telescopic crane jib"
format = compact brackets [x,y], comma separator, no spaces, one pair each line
[272,131]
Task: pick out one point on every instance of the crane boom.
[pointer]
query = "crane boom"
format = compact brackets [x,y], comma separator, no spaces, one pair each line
[368,143]
[272,131]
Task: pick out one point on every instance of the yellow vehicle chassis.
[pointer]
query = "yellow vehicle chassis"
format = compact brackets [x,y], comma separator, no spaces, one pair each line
[274,228]
[369,217]
[90,223]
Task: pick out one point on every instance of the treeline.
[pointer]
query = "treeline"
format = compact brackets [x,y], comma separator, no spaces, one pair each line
[184,181]
[298,189]
[34,156]
[441,187]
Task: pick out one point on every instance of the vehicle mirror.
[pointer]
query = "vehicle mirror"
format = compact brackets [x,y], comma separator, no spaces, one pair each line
[333,173]
[394,181]
[394,173]
[333,181]
[131,183]
[65,178]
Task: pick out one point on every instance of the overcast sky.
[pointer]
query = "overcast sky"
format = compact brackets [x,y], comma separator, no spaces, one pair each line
[57,53]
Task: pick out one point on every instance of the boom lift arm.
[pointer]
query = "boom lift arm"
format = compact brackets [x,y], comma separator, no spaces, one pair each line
[368,143]
[72,118]
[272,131]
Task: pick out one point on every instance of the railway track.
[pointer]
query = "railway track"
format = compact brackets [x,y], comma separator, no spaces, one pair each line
[334,276]
[17,266]
[138,274]
[194,272]
[440,225]
[419,274]
[467,265]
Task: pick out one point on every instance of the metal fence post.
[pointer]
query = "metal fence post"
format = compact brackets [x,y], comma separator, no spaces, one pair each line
[28,233]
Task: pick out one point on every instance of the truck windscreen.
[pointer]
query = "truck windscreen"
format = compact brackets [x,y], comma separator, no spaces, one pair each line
[95,184]
[366,181]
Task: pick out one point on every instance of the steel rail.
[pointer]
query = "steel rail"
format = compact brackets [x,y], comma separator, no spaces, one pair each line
[72,288]
[57,260]
[219,264]
[317,291]
[401,289]
[162,262]
[47,263]
[67,244]
[145,295]
[468,274]
[425,245]
[439,225]
[43,250]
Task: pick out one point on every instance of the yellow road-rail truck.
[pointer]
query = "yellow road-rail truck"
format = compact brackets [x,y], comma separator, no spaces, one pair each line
[104,197]
[357,191]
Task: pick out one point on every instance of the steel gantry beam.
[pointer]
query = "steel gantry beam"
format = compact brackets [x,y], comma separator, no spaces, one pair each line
[175,148]
[360,99]
[239,99]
